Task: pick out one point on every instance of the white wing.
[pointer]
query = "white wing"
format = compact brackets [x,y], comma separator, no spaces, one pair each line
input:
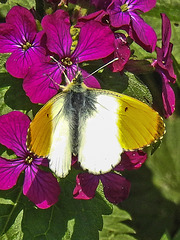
[99,148]
[49,136]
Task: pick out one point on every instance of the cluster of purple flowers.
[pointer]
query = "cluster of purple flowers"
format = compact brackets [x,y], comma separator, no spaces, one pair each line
[40,58]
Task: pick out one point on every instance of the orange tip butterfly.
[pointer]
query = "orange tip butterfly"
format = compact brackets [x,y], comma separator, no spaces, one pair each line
[95,124]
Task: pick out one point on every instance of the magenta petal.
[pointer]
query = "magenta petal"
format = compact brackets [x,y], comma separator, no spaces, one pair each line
[165,62]
[17,64]
[122,52]
[101,4]
[23,21]
[166,33]
[116,187]
[57,28]
[42,82]
[90,81]
[20,61]
[8,41]
[141,5]
[95,42]
[142,33]
[97,16]
[13,132]
[131,160]
[168,96]
[86,185]
[117,17]
[9,172]
[74,160]
[40,187]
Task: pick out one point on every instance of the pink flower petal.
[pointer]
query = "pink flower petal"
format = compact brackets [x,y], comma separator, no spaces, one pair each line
[9,172]
[97,16]
[23,21]
[101,4]
[86,185]
[131,160]
[142,33]
[13,132]
[122,52]
[20,61]
[95,42]
[57,28]
[116,16]
[165,62]
[40,187]
[166,33]
[168,96]
[90,81]
[8,41]
[141,5]
[42,82]
[116,187]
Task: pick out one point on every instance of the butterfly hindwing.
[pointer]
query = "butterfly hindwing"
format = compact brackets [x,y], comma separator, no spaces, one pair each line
[49,135]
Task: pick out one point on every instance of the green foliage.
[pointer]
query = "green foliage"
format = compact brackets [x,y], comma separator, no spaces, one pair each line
[152,210]
[6,5]
[115,226]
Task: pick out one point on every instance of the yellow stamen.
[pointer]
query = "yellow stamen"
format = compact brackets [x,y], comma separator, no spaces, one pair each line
[66,61]
[124,7]
[26,46]
[29,159]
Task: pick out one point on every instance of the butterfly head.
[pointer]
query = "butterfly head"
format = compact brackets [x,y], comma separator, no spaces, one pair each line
[78,78]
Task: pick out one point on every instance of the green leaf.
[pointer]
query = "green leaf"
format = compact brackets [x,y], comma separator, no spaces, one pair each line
[11,213]
[12,95]
[166,236]
[15,231]
[114,226]
[5,7]
[165,162]
[177,236]
[68,219]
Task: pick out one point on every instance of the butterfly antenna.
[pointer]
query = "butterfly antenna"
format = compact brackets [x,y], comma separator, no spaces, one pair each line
[62,67]
[115,59]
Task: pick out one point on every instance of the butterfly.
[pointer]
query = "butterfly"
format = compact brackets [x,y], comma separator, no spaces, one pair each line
[94,124]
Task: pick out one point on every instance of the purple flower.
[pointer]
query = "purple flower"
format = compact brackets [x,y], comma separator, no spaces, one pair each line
[19,36]
[39,186]
[99,16]
[116,188]
[131,160]
[164,66]
[125,14]
[101,4]
[96,41]
[122,52]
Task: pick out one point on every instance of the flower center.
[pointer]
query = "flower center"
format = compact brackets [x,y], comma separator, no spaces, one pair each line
[164,62]
[26,46]
[66,61]
[29,158]
[124,7]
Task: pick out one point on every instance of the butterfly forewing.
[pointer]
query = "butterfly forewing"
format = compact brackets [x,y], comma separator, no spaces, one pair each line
[139,125]
[119,123]
[49,135]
